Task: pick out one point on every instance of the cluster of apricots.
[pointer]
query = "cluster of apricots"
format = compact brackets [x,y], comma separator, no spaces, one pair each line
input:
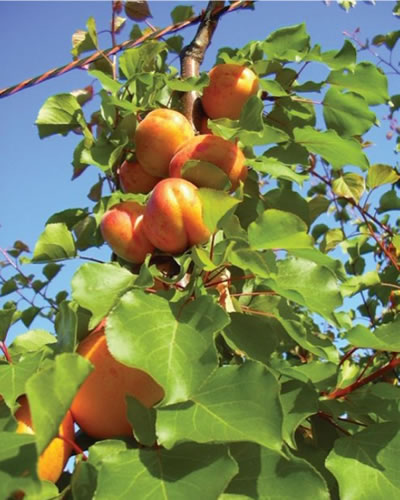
[171,221]
[171,164]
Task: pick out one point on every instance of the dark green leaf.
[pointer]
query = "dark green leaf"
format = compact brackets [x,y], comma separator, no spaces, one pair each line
[181,13]
[181,473]
[143,421]
[137,10]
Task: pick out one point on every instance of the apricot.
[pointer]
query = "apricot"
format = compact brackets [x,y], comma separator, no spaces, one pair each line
[173,217]
[134,178]
[99,407]
[158,136]
[229,88]
[122,229]
[210,149]
[52,461]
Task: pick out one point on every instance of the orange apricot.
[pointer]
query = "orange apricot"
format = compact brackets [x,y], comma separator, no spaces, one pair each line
[173,217]
[99,407]
[210,149]
[122,229]
[229,88]
[134,178]
[157,138]
[52,461]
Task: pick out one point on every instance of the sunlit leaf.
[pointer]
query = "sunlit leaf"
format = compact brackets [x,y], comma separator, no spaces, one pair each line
[55,243]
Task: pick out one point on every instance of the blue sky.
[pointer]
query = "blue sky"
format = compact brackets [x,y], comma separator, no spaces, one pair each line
[36,36]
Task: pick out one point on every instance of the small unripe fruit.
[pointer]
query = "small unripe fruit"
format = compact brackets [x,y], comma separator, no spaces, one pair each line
[134,179]
[173,218]
[122,229]
[210,149]
[229,88]
[158,136]
[99,407]
[52,461]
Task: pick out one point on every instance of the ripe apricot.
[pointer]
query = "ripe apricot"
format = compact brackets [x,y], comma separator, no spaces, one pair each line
[229,88]
[157,138]
[52,461]
[122,229]
[134,178]
[210,149]
[99,407]
[173,217]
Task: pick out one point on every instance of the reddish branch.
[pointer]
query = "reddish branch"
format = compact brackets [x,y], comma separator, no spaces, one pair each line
[343,392]
[6,353]
[77,449]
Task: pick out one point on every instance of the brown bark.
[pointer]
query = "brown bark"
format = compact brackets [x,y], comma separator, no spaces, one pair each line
[191,58]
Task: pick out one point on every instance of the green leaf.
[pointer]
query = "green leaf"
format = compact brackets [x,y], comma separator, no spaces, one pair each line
[84,41]
[51,270]
[66,325]
[273,88]
[216,204]
[389,201]
[251,116]
[366,80]
[345,58]
[55,243]
[370,455]
[261,264]
[348,113]
[288,44]
[384,338]
[13,377]
[349,186]
[166,340]
[357,283]
[336,150]
[181,473]
[276,169]
[276,229]
[299,401]
[238,403]
[6,319]
[98,287]
[379,174]
[181,13]
[204,174]
[143,421]
[137,10]
[50,393]
[193,83]
[32,341]
[106,81]
[307,283]
[61,114]
[390,39]
[256,336]
[266,474]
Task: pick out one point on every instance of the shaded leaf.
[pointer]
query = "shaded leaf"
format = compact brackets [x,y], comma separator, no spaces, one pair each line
[370,455]
[181,13]
[181,473]
[216,204]
[137,10]
[384,338]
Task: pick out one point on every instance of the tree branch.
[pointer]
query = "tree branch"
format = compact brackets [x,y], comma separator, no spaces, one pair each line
[191,58]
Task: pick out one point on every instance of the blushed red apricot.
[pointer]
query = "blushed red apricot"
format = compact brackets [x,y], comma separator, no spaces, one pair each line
[158,136]
[134,178]
[122,229]
[229,88]
[173,218]
[210,149]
